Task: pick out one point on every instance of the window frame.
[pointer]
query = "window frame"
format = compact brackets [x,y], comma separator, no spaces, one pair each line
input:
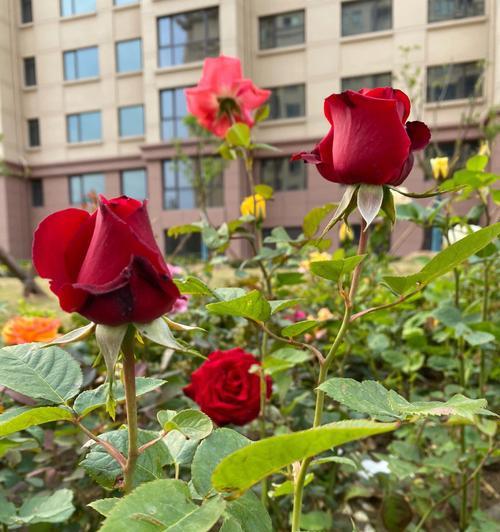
[81,177]
[455,16]
[274,18]
[37,181]
[146,184]
[133,106]
[277,178]
[23,4]
[272,89]
[28,62]
[463,65]
[74,13]
[76,52]
[117,62]
[172,46]
[174,118]
[30,122]
[79,115]
[369,85]
[344,4]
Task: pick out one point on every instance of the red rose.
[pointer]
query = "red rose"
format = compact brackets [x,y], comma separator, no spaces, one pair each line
[225,389]
[223,95]
[370,140]
[106,265]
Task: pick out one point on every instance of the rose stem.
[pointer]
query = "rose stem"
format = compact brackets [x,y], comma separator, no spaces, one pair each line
[323,373]
[131,407]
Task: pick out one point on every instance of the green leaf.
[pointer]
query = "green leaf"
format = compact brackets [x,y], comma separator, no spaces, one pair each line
[247,514]
[396,512]
[159,332]
[342,460]
[106,471]
[388,205]
[55,508]
[89,400]
[185,229]
[444,261]
[314,217]
[238,135]
[181,449]
[370,397]
[194,424]
[163,505]
[370,201]
[287,487]
[243,468]
[477,163]
[283,359]
[289,278]
[262,113]
[109,339]
[22,417]
[104,506]
[73,336]
[193,286]
[278,305]
[227,153]
[265,191]
[334,269]
[8,511]
[46,373]
[251,306]
[210,452]
[316,520]
[300,327]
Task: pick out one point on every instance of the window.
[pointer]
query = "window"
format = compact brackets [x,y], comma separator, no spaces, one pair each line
[129,56]
[33,132]
[131,121]
[190,247]
[37,199]
[70,8]
[125,2]
[285,29]
[451,9]
[363,16]
[178,191]
[82,63]
[370,81]
[283,174]
[29,71]
[84,127]
[173,111]
[455,81]
[26,12]
[83,188]
[433,239]
[134,183]
[188,37]
[288,101]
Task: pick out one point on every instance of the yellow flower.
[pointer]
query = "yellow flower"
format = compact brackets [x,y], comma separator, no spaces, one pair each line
[345,233]
[26,329]
[484,148]
[324,314]
[440,167]
[254,206]
[313,257]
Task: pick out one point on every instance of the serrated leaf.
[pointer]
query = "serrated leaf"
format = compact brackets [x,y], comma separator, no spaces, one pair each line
[251,306]
[278,305]
[370,201]
[104,506]
[73,336]
[298,328]
[193,286]
[445,260]
[20,418]
[89,400]
[48,373]
[247,514]
[55,508]
[245,467]
[334,269]
[193,424]
[238,135]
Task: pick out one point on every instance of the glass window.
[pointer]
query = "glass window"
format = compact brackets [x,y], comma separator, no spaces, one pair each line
[84,188]
[82,63]
[190,247]
[84,127]
[285,29]
[37,199]
[26,11]
[454,81]
[134,183]
[288,101]
[29,71]
[173,111]
[125,2]
[129,56]
[70,8]
[131,121]
[188,37]
[33,132]
[452,9]
[283,174]
[178,190]
[363,16]
[370,81]
[433,239]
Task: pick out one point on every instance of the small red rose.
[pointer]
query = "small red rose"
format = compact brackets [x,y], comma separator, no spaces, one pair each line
[370,140]
[225,389]
[106,266]
[223,95]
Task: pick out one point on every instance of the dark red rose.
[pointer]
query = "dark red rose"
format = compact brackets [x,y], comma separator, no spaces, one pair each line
[370,140]
[106,265]
[225,389]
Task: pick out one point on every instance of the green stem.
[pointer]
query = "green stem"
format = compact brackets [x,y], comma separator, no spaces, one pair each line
[262,413]
[131,408]
[323,374]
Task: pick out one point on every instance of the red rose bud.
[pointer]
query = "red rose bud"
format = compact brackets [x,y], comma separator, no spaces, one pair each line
[106,265]
[225,389]
[370,140]
[223,95]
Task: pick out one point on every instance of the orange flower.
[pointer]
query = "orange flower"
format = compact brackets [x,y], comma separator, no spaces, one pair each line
[26,329]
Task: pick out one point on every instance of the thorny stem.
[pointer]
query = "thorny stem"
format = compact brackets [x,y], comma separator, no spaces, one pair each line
[323,374]
[131,408]
[108,447]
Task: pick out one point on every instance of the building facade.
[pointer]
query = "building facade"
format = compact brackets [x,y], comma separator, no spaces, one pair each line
[91,95]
